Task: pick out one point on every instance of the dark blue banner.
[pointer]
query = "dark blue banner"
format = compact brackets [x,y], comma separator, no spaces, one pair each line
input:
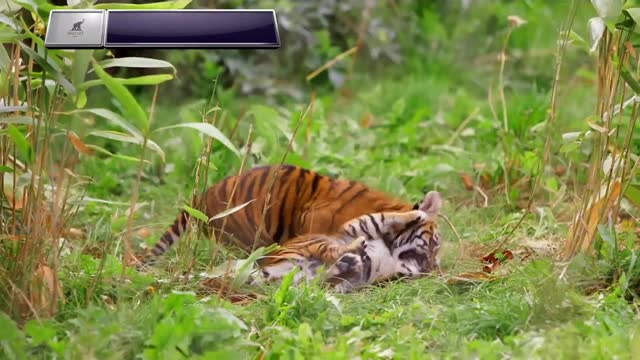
[192,29]
[205,28]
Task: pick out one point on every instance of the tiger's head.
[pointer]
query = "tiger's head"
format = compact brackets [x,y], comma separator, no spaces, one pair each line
[416,246]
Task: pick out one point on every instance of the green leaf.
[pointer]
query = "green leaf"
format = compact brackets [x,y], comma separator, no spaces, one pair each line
[41,7]
[51,67]
[113,118]
[634,14]
[10,36]
[5,61]
[117,136]
[632,193]
[195,213]
[81,99]
[5,169]
[245,270]
[12,340]
[21,142]
[230,211]
[130,106]
[630,80]
[136,62]
[9,21]
[116,156]
[608,9]
[40,333]
[206,129]
[164,5]
[81,60]
[140,80]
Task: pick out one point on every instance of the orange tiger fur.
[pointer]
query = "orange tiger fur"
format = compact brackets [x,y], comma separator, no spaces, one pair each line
[286,201]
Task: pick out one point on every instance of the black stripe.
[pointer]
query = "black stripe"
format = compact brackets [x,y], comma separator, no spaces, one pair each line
[297,193]
[167,238]
[176,227]
[367,266]
[283,207]
[375,224]
[352,229]
[364,228]
[345,203]
[349,187]
[157,250]
[314,183]
[262,179]
[407,238]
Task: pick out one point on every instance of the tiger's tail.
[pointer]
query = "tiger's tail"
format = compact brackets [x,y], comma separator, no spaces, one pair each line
[170,237]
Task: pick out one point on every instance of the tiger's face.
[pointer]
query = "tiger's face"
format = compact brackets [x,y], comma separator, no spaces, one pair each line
[417,253]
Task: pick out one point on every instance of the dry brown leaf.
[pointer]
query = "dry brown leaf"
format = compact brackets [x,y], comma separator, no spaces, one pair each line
[493,262]
[78,144]
[560,170]
[595,210]
[479,166]
[16,202]
[143,233]
[467,181]
[75,234]
[631,49]
[45,291]
[598,128]
[366,120]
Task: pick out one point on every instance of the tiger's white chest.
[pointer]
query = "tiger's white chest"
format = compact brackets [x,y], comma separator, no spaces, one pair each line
[383,264]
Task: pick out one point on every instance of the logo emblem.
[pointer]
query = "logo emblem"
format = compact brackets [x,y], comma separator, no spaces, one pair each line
[76,30]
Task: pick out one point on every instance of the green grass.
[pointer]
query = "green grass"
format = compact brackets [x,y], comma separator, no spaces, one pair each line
[532,311]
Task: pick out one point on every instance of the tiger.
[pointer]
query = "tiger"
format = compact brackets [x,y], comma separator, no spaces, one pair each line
[281,202]
[367,249]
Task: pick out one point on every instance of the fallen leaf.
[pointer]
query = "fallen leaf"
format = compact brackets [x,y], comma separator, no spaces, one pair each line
[16,202]
[75,234]
[143,233]
[479,166]
[494,259]
[78,144]
[366,120]
[45,292]
[467,181]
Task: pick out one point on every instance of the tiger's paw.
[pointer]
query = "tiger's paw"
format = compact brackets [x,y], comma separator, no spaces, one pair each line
[357,245]
[418,215]
[348,266]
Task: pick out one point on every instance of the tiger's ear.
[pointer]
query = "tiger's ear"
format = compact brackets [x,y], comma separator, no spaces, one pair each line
[431,203]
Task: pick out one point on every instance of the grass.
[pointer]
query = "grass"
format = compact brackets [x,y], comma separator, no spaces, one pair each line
[427,126]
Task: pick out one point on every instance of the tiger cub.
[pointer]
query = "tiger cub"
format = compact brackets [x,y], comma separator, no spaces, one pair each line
[367,249]
[283,202]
